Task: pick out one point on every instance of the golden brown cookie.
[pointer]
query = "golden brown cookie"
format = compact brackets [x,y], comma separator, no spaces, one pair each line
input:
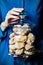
[19,45]
[28,46]
[28,53]
[31,37]
[19,52]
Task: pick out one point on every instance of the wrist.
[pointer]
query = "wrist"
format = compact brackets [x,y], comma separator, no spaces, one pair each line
[4,25]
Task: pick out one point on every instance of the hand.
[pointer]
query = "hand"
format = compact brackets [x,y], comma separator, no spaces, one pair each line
[11,17]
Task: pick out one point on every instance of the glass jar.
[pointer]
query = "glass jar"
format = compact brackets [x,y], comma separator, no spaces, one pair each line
[23,38]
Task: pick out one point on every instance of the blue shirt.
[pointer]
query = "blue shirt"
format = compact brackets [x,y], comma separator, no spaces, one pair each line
[32,8]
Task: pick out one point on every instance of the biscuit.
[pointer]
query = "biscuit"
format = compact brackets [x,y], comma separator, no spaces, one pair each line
[11,46]
[31,37]
[28,41]
[28,46]
[19,52]
[23,38]
[11,35]
[17,38]
[28,53]
[19,45]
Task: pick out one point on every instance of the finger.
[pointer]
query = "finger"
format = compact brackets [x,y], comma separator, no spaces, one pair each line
[14,20]
[11,16]
[18,9]
[14,13]
[12,35]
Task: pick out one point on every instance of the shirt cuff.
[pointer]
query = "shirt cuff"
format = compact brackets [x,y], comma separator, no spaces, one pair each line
[3,26]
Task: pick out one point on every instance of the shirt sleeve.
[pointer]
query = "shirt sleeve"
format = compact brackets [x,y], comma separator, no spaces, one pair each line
[2,34]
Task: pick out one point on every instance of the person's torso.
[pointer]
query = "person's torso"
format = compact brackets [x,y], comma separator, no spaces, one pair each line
[30,6]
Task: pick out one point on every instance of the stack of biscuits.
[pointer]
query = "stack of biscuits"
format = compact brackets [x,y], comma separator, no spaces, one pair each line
[23,41]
